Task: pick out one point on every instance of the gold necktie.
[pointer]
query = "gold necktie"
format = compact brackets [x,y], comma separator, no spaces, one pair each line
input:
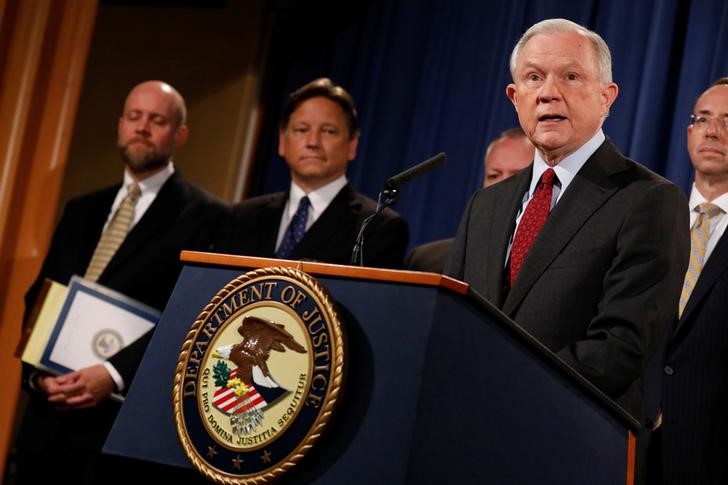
[114,234]
[698,241]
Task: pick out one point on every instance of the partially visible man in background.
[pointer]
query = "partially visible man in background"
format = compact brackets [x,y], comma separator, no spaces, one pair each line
[505,156]
[127,237]
[686,391]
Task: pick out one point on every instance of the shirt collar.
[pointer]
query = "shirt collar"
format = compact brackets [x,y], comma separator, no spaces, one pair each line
[151,184]
[319,198]
[567,168]
[696,198]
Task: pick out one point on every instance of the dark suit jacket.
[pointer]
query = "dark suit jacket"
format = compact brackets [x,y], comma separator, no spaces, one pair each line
[430,256]
[330,239]
[688,380]
[602,279]
[145,267]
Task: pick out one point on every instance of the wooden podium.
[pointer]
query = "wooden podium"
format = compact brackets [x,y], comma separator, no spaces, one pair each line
[440,387]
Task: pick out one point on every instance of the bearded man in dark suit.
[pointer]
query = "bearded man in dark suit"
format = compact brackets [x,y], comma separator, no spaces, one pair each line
[593,268]
[318,137]
[68,417]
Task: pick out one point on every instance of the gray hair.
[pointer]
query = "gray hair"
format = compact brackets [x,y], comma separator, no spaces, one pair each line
[563,26]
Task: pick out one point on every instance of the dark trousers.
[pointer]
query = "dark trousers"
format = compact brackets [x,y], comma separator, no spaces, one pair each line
[72,465]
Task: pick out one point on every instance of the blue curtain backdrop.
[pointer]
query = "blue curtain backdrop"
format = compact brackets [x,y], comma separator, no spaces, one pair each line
[430,76]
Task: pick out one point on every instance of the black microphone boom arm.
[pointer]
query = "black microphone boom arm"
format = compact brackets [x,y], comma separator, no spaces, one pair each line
[389,195]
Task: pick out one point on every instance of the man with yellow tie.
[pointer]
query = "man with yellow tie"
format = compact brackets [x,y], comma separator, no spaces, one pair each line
[127,237]
[687,383]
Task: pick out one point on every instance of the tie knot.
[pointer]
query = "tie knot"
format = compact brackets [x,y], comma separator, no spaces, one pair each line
[134,192]
[548,177]
[303,204]
[709,210]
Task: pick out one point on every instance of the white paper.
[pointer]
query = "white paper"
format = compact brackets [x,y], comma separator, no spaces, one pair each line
[95,329]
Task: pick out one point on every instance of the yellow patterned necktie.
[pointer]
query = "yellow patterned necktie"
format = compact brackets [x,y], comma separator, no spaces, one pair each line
[114,234]
[698,241]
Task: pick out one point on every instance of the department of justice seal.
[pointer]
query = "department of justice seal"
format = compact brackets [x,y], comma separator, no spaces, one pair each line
[106,343]
[258,376]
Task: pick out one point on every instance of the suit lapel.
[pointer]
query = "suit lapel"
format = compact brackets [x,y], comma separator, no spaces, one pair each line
[332,221]
[157,219]
[589,190]
[716,265]
[268,222]
[94,227]
[505,206]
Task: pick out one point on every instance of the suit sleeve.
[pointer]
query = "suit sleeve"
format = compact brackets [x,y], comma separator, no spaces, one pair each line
[430,257]
[234,231]
[126,361]
[60,260]
[455,264]
[640,292]
[56,267]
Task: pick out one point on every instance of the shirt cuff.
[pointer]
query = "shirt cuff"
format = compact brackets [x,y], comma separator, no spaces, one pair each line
[33,381]
[115,376]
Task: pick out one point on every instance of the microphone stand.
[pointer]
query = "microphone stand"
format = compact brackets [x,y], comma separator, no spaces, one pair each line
[387,197]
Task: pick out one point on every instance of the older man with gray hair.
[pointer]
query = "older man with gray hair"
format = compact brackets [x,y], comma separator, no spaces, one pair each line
[586,249]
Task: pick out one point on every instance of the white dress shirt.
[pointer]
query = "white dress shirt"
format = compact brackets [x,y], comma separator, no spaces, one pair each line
[319,199]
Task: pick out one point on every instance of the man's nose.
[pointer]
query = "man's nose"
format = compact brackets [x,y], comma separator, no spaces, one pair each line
[313,138]
[142,126]
[549,90]
[713,127]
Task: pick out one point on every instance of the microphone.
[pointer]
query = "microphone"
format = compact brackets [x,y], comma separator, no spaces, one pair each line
[394,183]
[390,194]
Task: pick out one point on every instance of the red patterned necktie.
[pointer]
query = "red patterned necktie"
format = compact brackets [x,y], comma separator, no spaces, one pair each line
[534,217]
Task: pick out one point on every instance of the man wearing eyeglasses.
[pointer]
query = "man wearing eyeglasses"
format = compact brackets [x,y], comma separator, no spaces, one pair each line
[687,383]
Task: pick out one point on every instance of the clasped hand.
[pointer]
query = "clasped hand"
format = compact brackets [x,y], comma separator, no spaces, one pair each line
[80,389]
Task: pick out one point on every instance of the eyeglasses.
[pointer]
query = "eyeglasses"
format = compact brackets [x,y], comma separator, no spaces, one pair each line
[702,121]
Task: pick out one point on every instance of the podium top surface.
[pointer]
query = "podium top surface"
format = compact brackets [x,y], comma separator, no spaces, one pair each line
[416,278]
[326,269]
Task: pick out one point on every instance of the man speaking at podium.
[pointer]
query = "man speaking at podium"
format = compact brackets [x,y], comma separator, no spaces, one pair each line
[320,216]
[586,249]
